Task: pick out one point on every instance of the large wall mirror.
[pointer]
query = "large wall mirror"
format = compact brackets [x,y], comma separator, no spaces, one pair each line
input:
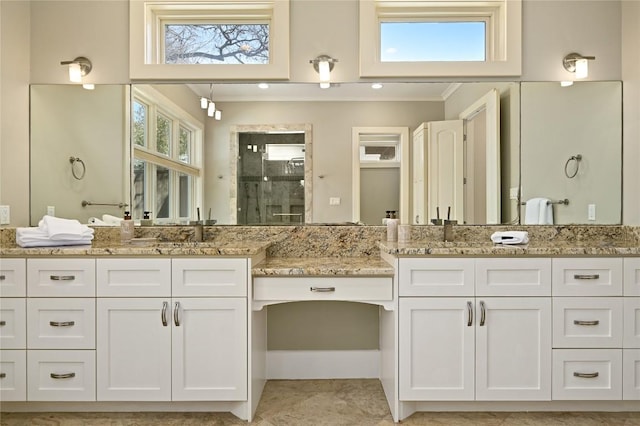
[181,163]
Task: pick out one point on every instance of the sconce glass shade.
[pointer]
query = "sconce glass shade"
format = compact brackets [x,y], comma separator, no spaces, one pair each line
[323,70]
[75,73]
[218,115]
[204,103]
[323,65]
[582,68]
[211,109]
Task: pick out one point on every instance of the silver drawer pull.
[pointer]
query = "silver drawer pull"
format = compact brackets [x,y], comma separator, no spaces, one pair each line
[580,322]
[323,289]
[163,314]
[586,276]
[3,323]
[3,277]
[483,313]
[3,375]
[469,314]
[586,375]
[62,323]
[176,314]
[62,277]
[63,375]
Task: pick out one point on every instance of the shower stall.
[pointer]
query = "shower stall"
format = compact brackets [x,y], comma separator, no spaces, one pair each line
[271,178]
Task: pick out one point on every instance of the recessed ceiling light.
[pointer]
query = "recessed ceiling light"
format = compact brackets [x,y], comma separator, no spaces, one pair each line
[376,86]
[263,86]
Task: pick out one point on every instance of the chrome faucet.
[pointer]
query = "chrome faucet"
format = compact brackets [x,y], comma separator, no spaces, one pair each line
[198,232]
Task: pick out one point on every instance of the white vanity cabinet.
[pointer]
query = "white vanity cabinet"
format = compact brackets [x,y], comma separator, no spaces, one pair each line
[162,347]
[13,330]
[588,328]
[476,347]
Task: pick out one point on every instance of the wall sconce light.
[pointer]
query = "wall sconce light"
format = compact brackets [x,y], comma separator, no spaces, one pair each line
[78,68]
[578,64]
[323,65]
[210,106]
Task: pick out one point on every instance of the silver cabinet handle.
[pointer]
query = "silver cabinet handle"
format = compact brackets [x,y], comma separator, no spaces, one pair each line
[63,375]
[586,375]
[586,276]
[3,375]
[3,323]
[581,322]
[469,314]
[62,277]
[323,289]
[163,315]
[483,313]
[62,323]
[176,317]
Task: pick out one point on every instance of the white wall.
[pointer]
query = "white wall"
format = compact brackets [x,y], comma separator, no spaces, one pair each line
[52,31]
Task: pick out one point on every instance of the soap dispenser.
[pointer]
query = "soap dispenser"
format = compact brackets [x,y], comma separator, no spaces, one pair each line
[126,228]
[146,220]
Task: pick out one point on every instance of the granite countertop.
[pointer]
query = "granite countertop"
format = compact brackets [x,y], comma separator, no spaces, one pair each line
[487,248]
[142,248]
[313,266]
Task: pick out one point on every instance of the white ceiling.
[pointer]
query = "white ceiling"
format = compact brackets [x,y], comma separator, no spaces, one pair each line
[244,92]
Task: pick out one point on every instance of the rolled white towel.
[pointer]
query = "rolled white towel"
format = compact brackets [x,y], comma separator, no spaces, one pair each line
[111,220]
[510,237]
[97,222]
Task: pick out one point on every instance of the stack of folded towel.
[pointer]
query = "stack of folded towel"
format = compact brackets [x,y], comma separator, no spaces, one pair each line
[510,237]
[53,231]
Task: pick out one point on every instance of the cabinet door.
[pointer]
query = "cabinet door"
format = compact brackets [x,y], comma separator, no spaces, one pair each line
[587,374]
[134,277]
[631,374]
[436,349]
[133,349]
[61,375]
[513,349]
[209,349]
[587,322]
[13,323]
[13,375]
[13,277]
[62,323]
[631,325]
[600,276]
[513,277]
[631,276]
[61,277]
[436,277]
[209,277]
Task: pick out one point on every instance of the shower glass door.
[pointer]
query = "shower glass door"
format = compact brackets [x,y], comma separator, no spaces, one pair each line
[271,178]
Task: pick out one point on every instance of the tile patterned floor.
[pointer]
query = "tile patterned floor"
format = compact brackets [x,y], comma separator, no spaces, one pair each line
[319,403]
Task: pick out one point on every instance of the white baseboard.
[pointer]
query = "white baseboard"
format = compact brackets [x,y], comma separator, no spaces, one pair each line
[360,364]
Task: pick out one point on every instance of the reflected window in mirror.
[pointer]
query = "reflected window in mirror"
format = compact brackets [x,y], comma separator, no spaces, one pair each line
[167,154]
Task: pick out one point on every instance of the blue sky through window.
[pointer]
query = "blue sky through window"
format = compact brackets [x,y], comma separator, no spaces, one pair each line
[432,41]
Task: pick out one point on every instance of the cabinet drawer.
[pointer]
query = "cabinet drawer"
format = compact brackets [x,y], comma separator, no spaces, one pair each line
[587,322]
[591,374]
[631,276]
[513,277]
[320,288]
[631,322]
[436,277]
[587,277]
[13,375]
[13,323]
[61,376]
[134,277]
[61,323]
[209,277]
[631,374]
[61,277]
[13,277]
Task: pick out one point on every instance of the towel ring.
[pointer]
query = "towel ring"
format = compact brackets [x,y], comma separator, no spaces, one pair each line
[577,158]
[73,161]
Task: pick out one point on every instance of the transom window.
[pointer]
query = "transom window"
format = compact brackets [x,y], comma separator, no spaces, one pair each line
[425,38]
[190,39]
[167,153]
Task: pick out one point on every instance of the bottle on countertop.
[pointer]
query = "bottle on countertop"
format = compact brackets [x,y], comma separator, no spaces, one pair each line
[146,220]
[126,228]
[392,227]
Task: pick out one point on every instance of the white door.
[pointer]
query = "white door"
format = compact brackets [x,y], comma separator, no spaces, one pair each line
[436,349]
[513,348]
[133,349]
[209,346]
[445,175]
[419,214]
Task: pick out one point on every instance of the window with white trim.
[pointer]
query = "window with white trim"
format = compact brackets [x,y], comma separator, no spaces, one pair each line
[425,38]
[167,158]
[186,39]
